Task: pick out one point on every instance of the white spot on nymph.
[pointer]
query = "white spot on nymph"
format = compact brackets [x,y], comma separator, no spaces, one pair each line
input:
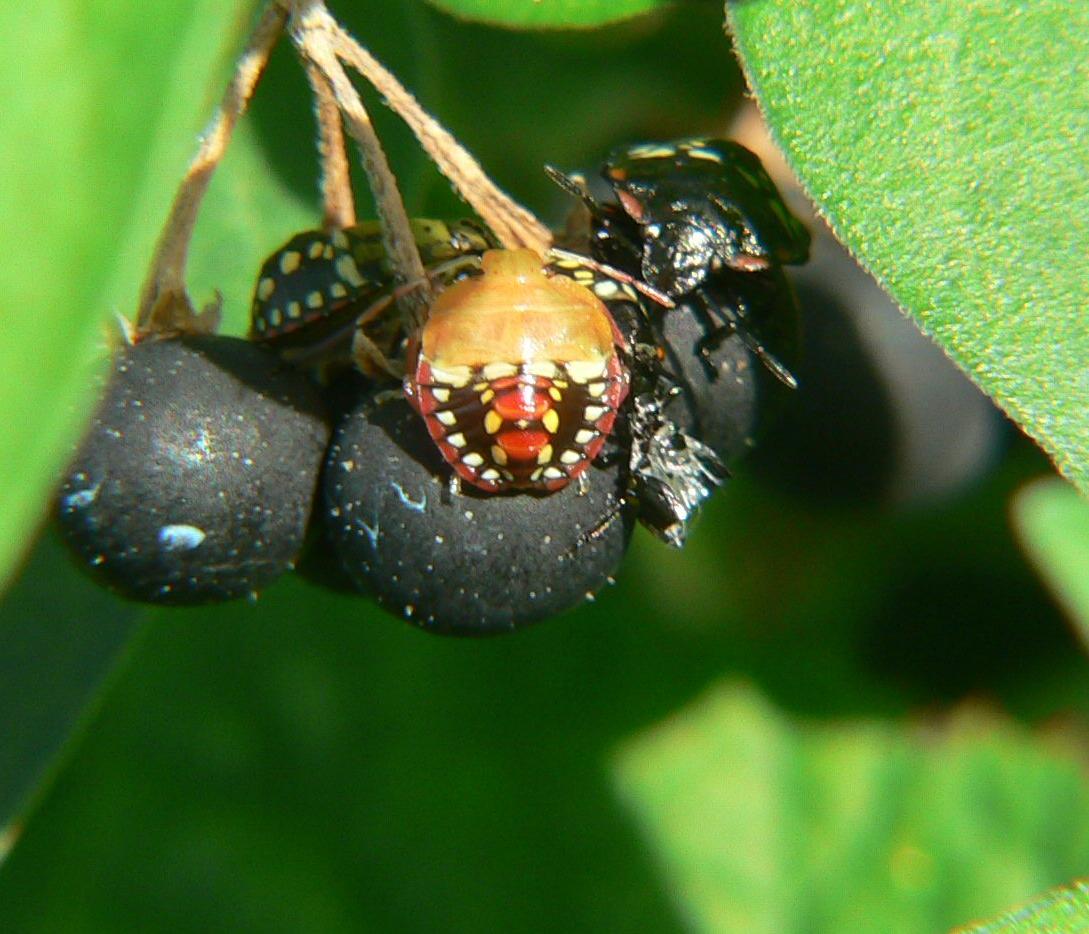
[349,271]
[593,412]
[498,370]
[180,537]
[315,300]
[606,289]
[570,457]
[545,368]
[596,389]
[491,474]
[415,505]
[456,440]
[582,371]
[294,309]
[553,473]
[275,317]
[585,436]
[337,290]
[265,288]
[82,498]
[441,395]
[473,459]
[446,418]
[456,376]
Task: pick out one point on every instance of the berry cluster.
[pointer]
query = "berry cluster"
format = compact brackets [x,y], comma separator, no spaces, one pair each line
[542,405]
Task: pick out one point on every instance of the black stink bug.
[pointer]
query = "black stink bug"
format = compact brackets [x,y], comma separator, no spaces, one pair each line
[518,374]
[312,291]
[702,205]
[701,221]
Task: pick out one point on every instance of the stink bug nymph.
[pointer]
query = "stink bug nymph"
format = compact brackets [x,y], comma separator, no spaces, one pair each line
[518,375]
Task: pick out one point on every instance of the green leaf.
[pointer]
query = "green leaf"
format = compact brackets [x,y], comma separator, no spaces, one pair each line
[1053,521]
[91,165]
[944,141]
[60,635]
[552,14]
[1063,910]
[762,823]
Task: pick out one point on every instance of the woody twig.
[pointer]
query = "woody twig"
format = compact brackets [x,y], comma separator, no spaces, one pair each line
[164,305]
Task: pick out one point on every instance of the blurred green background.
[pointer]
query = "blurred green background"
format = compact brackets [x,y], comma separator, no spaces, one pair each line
[849,704]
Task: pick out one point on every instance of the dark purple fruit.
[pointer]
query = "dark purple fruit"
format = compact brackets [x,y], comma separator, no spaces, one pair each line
[727,394]
[196,480]
[465,563]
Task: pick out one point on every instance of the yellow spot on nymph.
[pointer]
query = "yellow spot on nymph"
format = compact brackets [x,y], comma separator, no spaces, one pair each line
[486,396]
[441,395]
[473,459]
[327,253]
[560,384]
[316,249]
[265,288]
[596,389]
[294,309]
[315,300]
[499,455]
[479,387]
[536,475]
[337,290]
[570,457]
[498,370]
[289,262]
[556,395]
[582,371]
[457,441]
[551,421]
[545,454]
[340,241]
[349,271]
[593,412]
[493,421]
[446,418]
[585,436]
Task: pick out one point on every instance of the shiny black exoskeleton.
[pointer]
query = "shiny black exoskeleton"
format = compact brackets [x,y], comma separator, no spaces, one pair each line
[701,221]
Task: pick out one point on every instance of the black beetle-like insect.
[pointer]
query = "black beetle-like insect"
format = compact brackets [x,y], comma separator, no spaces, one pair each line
[700,220]
[695,218]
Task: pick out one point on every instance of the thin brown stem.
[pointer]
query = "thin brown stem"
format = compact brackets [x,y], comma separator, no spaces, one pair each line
[512,224]
[338,202]
[164,305]
[313,30]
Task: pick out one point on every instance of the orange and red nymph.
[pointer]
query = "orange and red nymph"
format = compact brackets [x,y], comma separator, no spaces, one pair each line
[518,374]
